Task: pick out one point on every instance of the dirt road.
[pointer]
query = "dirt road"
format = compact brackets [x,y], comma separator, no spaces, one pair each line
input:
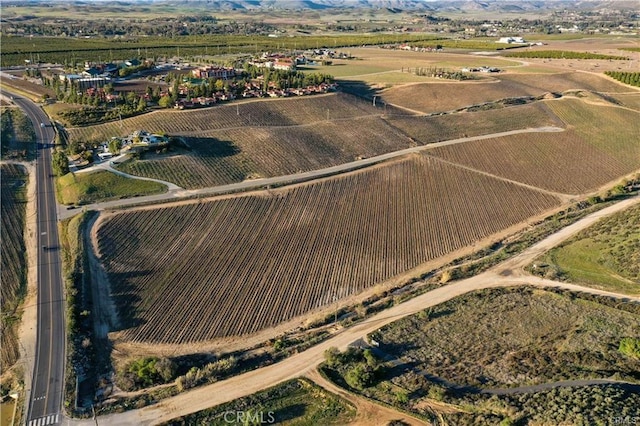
[508,273]
[176,193]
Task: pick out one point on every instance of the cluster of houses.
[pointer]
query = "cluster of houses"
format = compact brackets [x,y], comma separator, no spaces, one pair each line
[254,90]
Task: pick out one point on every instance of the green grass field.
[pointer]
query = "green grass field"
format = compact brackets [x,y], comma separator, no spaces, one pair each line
[605,256]
[297,402]
[84,188]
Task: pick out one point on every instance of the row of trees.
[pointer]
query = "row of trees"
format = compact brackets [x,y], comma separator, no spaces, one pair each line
[631,78]
[563,54]
[166,27]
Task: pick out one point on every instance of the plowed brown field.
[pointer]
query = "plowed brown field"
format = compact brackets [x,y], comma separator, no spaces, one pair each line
[219,157]
[440,97]
[453,126]
[562,162]
[238,265]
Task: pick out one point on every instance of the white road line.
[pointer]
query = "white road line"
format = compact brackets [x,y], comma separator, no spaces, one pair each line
[50,419]
[57,416]
[38,421]
[30,422]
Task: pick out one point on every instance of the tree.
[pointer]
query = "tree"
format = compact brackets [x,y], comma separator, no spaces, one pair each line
[371,359]
[142,104]
[73,147]
[60,163]
[114,146]
[166,368]
[360,376]
[332,356]
[165,102]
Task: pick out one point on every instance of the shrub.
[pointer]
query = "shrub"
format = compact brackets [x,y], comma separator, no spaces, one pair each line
[60,163]
[630,346]
[360,376]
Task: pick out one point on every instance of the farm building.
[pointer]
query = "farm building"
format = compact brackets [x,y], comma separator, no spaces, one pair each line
[214,72]
[511,40]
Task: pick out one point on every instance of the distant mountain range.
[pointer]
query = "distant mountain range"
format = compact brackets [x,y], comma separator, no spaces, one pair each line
[497,6]
[426,5]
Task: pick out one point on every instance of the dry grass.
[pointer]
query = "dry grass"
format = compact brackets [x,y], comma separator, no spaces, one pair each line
[447,96]
[514,337]
[426,130]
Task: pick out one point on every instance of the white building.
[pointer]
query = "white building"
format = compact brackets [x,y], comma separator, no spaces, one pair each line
[511,40]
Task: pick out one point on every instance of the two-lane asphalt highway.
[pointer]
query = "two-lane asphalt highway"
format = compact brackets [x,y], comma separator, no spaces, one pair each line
[46,395]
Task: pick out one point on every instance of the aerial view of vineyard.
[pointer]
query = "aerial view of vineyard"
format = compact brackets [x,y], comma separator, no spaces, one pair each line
[571,165]
[611,129]
[436,128]
[222,150]
[219,157]
[14,274]
[266,112]
[334,212]
[276,255]
[447,96]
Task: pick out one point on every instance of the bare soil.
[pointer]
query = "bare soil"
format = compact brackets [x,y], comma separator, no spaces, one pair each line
[28,327]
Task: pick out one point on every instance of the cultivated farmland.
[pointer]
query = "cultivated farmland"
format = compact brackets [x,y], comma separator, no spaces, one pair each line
[224,156]
[277,112]
[610,129]
[425,130]
[237,265]
[13,273]
[440,97]
[630,100]
[561,162]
